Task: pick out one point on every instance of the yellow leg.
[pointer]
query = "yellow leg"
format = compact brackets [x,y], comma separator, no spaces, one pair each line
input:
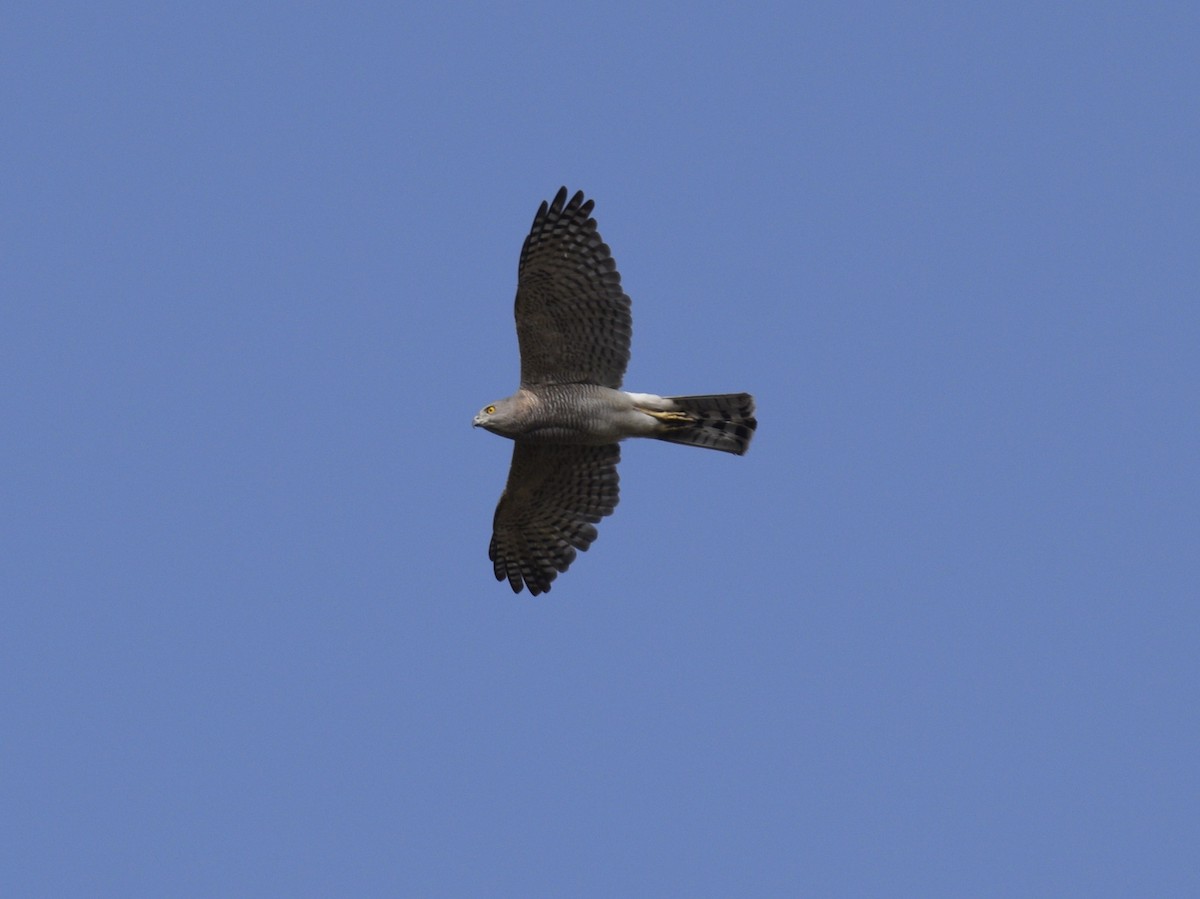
[668,416]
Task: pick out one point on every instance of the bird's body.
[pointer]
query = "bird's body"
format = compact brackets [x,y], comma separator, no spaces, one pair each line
[569,414]
[591,414]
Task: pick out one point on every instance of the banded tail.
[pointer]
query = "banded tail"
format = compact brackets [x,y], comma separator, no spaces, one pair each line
[723,421]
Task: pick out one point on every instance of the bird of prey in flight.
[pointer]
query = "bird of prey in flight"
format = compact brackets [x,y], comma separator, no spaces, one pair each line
[569,413]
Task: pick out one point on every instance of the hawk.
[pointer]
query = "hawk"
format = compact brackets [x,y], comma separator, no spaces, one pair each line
[567,416]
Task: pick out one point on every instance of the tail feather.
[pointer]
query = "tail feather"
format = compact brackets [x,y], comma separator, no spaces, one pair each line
[722,421]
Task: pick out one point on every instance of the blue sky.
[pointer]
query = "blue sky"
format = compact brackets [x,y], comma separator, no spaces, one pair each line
[935,635]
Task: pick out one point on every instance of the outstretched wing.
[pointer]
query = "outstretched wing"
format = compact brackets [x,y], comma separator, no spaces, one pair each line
[573,319]
[555,495]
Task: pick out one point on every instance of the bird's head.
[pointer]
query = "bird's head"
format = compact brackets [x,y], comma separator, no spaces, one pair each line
[498,417]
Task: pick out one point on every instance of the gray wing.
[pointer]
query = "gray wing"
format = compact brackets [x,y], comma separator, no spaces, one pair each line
[573,319]
[555,495]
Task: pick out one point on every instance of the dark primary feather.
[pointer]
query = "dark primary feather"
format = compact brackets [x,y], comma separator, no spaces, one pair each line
[555,495]
[573,319]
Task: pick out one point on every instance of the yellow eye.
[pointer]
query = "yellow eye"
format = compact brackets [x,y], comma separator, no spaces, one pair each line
[490,409]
